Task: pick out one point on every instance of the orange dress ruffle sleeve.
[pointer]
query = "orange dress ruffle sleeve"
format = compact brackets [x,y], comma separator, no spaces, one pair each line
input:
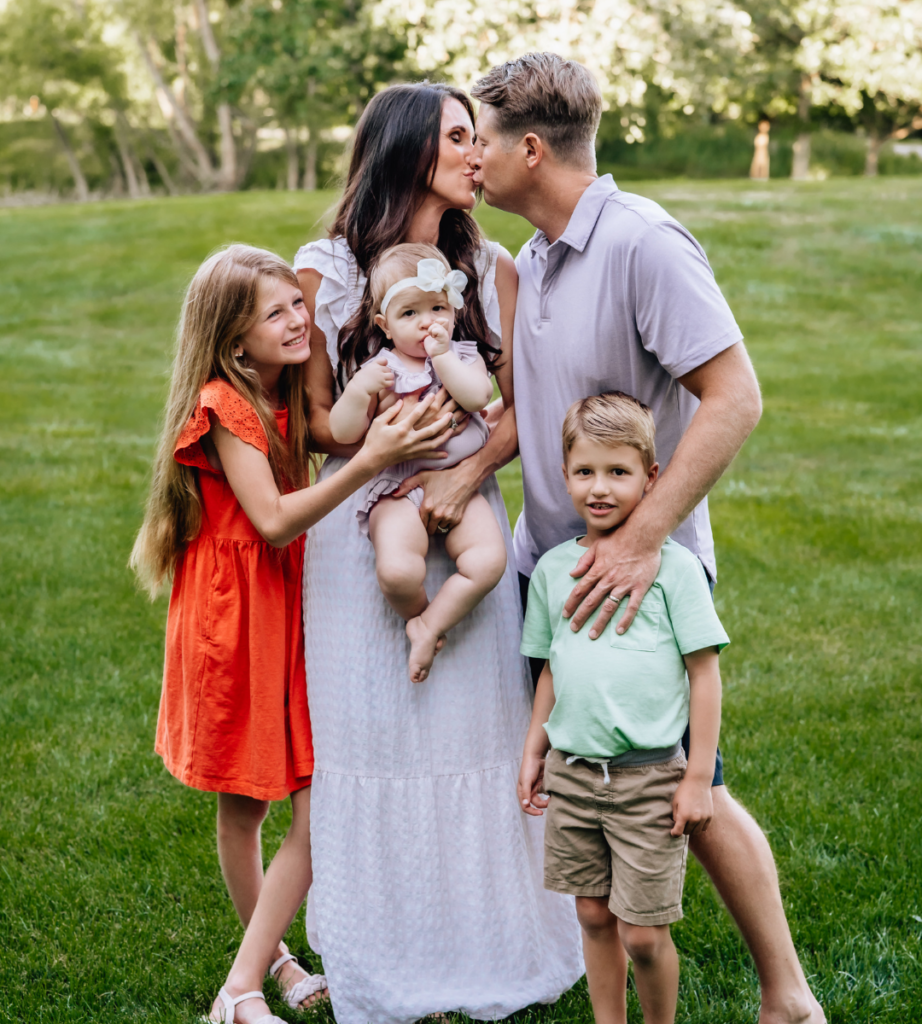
[233,711]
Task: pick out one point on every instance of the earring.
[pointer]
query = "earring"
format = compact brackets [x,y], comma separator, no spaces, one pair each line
[239,355]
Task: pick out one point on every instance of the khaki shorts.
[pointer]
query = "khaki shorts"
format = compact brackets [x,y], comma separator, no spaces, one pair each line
[612,839]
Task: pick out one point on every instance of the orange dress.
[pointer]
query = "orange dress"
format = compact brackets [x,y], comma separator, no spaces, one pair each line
[233,713]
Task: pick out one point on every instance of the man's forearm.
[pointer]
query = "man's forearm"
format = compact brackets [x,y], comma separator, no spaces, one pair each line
[501,448]
[715,435]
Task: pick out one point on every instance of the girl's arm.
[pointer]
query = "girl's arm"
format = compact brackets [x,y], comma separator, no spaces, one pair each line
[355,408]
[531,774]
[280,518]
[692,806]
[468,383]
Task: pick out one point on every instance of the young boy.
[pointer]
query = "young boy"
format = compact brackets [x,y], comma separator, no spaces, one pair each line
[609,716]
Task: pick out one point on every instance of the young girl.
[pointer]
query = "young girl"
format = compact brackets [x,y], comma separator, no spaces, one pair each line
[409,305]
[225,520]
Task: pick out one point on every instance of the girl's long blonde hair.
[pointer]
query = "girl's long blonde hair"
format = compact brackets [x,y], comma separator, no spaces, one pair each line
[219,308]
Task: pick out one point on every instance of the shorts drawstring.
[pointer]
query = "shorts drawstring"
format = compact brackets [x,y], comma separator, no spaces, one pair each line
[603,761]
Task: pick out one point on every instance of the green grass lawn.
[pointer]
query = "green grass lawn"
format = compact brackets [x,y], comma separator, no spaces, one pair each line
[112,906]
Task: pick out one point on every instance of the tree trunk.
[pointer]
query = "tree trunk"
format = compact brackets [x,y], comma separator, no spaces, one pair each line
[117,187]
[291,146]
[800,169]
[204,171]
[872,155]
[309,181]
[227,175]
[80,186]
[134,188]
[182,153]
[162,171]
[141,171]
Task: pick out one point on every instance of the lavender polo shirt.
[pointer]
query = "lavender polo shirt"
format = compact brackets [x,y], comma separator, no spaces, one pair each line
[624,300]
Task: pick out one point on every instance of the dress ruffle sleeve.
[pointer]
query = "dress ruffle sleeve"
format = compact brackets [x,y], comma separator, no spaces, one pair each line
[485,265]
[465,350]
[340,291]
[234,412]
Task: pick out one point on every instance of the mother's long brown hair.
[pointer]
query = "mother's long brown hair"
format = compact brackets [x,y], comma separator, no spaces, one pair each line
[394,158]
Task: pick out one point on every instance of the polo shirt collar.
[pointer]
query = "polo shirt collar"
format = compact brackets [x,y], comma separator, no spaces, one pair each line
[583,219]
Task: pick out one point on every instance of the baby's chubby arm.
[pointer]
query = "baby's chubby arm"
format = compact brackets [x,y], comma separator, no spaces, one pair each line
[355,408]
[692,805]
[467,383]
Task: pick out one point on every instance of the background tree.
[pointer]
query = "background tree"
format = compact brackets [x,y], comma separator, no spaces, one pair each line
[55,52]
[870,57]
[315,62]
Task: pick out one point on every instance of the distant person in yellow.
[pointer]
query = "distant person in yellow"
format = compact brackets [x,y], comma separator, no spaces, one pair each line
[760,159]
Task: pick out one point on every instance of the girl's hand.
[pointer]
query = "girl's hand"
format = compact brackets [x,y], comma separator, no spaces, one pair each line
[391,440]
[437,342]
[531,779]
[442,403]
[374,377]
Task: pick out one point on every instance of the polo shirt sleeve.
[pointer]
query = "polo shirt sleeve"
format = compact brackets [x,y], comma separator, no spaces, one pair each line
[538,632]
[681,315]
[694,619]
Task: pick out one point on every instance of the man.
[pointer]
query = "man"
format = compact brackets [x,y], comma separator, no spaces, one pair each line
[615,295]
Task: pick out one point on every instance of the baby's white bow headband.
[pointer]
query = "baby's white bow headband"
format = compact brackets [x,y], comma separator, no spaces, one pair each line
[431,276]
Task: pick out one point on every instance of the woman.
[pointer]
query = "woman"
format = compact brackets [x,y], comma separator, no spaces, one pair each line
[428,889]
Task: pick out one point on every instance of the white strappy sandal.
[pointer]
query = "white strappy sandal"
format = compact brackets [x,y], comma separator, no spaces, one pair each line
[230,1003]
[298,992]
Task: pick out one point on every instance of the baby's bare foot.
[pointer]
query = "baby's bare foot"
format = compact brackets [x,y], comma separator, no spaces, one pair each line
[423,646]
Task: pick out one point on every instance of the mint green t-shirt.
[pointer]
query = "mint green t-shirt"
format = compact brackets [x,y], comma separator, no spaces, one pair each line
[628,692]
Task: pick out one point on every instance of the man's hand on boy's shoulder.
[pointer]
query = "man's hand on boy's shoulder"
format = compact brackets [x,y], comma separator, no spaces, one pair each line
[692,807]
[620,567]
[531,781]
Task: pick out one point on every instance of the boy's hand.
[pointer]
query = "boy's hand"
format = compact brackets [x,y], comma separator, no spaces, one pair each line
[374,377]
[531,779]
[437,342]
[692,807]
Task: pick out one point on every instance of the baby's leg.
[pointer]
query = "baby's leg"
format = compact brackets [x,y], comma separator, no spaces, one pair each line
[401,542]
[477,548]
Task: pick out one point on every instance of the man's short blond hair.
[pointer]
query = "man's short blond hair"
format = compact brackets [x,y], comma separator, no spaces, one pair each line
[557,99]
[612,418]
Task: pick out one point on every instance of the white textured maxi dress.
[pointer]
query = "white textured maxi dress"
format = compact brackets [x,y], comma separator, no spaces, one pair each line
[427,890]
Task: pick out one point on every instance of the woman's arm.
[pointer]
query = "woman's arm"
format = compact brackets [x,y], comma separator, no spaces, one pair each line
[447,491]
[531,774]
[320,376]
[280,518]
[692,805]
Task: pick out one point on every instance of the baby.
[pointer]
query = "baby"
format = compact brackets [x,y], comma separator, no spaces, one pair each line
[407,352]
